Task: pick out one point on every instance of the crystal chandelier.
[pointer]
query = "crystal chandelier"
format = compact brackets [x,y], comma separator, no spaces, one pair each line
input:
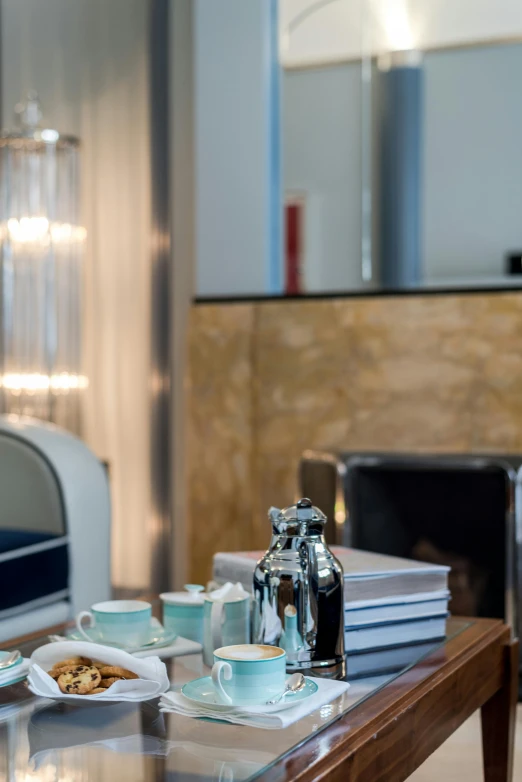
[42,248]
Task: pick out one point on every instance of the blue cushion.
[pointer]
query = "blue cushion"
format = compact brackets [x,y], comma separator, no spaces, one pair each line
[34,575]
[11,539]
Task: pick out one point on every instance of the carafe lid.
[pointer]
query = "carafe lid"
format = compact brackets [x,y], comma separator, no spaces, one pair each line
[299,519]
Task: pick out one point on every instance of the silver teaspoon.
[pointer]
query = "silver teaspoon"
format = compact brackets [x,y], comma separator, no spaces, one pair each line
[13,657]
[295,683]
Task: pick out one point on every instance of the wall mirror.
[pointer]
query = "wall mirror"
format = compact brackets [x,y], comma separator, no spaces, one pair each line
[412,183]
[399,131]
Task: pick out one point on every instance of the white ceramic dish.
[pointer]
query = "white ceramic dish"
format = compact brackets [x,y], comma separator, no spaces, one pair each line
[153,679]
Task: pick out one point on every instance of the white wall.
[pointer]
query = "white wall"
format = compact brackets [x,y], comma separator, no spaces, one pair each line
[347,28]
[233,137]
[331,33]
[472,211]
[88,61]
[322,159]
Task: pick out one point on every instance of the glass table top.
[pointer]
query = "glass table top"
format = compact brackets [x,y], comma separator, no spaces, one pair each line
[45,741]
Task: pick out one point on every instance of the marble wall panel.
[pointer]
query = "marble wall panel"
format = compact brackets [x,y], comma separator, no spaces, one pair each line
[409,373]
[220,437]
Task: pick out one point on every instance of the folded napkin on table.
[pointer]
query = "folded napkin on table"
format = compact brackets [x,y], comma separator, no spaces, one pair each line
[14,673]
[152,672]
[180,647]
[257,716]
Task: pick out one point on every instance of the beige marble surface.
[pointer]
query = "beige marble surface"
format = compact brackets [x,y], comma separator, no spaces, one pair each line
[220,437]
[270,379]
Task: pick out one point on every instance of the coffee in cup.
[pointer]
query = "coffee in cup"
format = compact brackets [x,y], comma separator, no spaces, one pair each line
[250,652]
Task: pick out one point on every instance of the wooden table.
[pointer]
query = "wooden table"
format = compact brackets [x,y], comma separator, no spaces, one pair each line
[382,737]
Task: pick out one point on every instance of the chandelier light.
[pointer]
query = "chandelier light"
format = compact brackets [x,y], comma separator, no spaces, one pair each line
[41,257]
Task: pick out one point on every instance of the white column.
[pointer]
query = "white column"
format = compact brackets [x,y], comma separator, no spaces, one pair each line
[237,148]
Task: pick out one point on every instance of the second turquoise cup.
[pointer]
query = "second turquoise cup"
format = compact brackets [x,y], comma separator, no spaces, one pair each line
[183,612]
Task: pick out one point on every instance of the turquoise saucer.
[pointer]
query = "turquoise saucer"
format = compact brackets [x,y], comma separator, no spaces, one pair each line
[158,637]
[12,670]
[202,692]
[3,656]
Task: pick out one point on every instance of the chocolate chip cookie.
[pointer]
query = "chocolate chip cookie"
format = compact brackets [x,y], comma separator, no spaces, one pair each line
[114,670]
[80,680]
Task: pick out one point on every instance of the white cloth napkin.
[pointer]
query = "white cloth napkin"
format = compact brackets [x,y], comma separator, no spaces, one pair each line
[257,716]
[228,592]
[14,673]
[180,647]
[152,672]
[271,626]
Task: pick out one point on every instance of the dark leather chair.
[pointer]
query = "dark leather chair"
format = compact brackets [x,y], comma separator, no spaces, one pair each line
[463,511]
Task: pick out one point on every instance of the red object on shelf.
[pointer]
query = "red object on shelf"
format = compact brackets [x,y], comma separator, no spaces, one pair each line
[294,214]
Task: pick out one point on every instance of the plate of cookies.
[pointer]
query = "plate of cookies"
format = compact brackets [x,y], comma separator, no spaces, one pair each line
[87,672]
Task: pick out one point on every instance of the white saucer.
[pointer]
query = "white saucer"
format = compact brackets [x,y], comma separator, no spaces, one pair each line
[202,692]
[158,637]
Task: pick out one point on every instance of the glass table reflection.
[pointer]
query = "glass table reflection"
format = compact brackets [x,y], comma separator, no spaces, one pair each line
[46,741]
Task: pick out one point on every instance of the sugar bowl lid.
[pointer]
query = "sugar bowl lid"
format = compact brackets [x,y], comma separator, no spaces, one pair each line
[192,596]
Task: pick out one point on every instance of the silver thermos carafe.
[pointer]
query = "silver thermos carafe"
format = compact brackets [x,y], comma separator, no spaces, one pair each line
[299,593]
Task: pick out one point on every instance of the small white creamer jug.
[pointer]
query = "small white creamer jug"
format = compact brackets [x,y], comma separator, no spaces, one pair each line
[226,619]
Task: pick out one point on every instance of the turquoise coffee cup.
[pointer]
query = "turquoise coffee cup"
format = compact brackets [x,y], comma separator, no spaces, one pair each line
[183,612]
[248,674]
[125,622]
